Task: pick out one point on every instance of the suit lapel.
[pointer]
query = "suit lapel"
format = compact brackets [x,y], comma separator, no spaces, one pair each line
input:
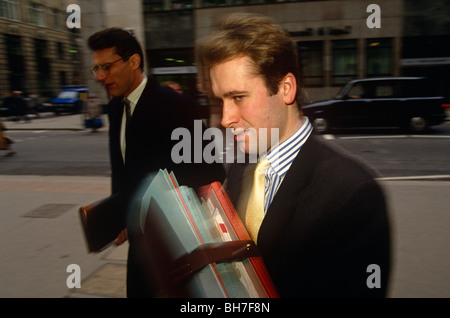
[283,206]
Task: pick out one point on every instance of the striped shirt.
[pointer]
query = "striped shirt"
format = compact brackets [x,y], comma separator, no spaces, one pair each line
[281,158]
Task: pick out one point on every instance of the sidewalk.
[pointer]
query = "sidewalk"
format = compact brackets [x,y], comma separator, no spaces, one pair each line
[49,121]
[41,234]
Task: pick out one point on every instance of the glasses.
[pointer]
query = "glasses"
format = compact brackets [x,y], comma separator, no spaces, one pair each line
[105,68]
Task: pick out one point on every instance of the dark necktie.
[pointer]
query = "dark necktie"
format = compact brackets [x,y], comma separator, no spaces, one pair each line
[126,103]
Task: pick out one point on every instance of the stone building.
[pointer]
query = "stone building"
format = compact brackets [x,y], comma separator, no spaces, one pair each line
[38,52]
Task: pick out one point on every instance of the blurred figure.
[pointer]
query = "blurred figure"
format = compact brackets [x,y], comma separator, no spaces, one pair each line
[93,113]
[173,85]
[32,102]
[5,141]
[142,116]
[17,106]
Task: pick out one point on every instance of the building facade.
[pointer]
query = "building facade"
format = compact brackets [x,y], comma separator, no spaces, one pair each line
[38,52]
[338,40]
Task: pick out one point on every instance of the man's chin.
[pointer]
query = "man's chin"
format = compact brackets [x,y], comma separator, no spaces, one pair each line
[111,91]
[247,149]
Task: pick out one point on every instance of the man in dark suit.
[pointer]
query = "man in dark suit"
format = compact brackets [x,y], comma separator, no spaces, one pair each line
[320,219]
[142,117]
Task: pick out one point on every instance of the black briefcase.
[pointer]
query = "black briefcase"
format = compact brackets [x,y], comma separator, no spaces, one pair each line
[102,221]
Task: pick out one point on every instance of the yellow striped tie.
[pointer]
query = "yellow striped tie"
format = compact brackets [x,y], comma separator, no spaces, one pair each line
[255,206]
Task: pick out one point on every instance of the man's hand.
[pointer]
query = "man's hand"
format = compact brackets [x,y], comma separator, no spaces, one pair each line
[121,238]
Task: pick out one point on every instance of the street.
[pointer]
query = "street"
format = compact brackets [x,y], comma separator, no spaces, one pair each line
[415,174]
[83,153]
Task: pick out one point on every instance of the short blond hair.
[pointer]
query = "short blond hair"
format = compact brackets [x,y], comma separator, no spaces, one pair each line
[269,47]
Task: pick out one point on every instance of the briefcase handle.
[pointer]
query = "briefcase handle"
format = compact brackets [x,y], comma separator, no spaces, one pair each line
[188,264]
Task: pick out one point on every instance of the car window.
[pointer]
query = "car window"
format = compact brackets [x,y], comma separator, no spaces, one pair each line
[357,91]
[68,94]
[384,91]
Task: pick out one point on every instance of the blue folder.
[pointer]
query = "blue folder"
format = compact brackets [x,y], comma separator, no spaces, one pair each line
[182,231]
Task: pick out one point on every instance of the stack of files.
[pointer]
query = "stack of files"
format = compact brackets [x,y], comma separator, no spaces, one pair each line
[197,242]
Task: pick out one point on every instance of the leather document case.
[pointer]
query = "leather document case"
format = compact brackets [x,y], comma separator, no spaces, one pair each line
[101,222]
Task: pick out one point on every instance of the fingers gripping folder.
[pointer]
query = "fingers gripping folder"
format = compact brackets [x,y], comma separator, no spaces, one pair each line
[189,264]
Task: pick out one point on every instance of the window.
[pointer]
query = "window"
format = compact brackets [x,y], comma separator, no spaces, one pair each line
[357,91]
[344,61]
[74,54]
[384,91]
[60,50]
[311,54]
[56,19]
[9,9]
[153,5]
[182,4]
[37,14]
[16,63]
[378,57]
[42,66]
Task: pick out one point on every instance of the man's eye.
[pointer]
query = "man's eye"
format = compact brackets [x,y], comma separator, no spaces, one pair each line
[106,67]
[217,101]
[238,98]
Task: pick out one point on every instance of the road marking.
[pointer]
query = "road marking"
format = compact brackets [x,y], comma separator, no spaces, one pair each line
[443,176]
[373,137]
[331,137]
[425,136]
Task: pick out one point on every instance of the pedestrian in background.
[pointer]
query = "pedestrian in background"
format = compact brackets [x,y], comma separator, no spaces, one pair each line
[173,85]
[142,116]
[317,214]
[6,141]
[17,106]
[93,113]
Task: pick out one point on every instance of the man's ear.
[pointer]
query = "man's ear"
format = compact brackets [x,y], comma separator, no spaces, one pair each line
[289,88]
[135,61]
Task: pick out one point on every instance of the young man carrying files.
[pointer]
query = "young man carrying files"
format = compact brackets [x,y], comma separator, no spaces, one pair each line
[316,213]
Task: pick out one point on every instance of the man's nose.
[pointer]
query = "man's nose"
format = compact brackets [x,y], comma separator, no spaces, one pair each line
[100,76]
[230,114]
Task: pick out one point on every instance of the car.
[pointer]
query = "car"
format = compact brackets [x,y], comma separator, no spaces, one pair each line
[69,100]
[404,102]
[16,105]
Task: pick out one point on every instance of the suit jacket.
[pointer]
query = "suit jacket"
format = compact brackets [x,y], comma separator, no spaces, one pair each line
[148,148]
[327,223]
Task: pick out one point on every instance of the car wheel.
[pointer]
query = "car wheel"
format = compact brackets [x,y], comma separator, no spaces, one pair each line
[418,124]
[320,124]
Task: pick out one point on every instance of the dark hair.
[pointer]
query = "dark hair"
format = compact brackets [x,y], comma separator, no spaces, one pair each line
[270,48]
[123,41]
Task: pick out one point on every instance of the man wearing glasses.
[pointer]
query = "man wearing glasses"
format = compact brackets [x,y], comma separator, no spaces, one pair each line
[142,115]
